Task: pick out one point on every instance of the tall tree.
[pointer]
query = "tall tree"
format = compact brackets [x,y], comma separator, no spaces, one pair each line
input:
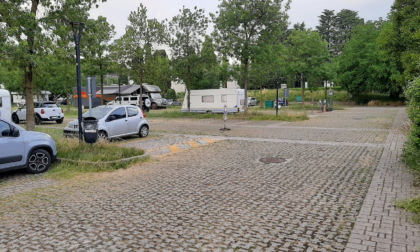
[209,72]
[242,23]
[188,29]
[326,27]
[306,55]
[138,41]
[344,23]
[400,41]
[28,23]
[158,70]
[98,34]
[361,67]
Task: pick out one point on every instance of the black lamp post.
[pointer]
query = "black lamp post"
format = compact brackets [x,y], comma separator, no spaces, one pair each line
[77,30]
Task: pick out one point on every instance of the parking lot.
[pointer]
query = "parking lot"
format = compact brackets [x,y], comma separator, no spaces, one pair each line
[326,184]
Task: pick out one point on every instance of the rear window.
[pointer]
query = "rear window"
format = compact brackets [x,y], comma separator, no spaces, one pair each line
[98,112]
[49,105]
[132,111]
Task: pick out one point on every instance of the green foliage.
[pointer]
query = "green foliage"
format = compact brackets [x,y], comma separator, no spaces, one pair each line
[412,147]
[208,75]
[171,94]
[326,27]
[158,71]
[344,23]
[135,46]
[241,25]
[85,158]
[400,40]
[188,28]
[362,67]
[412,206]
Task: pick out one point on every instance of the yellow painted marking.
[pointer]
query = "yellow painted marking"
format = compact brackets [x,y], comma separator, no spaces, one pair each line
[174,148]
[209,140]
[193,144]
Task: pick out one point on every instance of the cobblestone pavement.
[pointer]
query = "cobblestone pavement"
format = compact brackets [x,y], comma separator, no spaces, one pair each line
[334,191]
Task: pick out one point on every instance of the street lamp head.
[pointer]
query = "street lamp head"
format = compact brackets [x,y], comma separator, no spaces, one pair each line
[77,27]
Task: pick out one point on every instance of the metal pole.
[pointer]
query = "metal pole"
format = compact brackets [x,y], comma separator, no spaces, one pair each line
[79,85]
[278,103]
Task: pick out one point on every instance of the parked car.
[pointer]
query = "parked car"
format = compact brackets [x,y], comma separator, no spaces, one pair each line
[114,121]
[21,149]
[252,101]
[132,100]
[44,111]
[173,102]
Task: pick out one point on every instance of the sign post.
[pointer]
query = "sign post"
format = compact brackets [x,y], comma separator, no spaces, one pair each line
[224,118]
[91,87]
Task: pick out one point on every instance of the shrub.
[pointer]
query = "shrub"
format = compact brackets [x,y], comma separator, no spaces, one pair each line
[412,147]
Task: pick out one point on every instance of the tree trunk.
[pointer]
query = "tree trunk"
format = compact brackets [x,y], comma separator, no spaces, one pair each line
[68,101]
[302,83]
[246,65]
[141,89]
[29,89]
[29,97]
[261,89]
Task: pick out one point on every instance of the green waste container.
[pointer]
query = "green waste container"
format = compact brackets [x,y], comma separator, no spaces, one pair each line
[329,105]
[299,98]
[269,104]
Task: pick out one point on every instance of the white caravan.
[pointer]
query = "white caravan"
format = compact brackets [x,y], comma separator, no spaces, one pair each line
[214,100]
[5,104]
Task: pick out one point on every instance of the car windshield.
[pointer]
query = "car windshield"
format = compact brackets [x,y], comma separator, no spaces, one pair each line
[155,95]
[98,112]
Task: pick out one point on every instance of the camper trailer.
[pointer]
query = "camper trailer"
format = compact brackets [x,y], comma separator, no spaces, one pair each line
[214,100]
[5,104]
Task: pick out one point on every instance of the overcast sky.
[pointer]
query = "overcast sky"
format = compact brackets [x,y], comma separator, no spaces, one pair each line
[117,11]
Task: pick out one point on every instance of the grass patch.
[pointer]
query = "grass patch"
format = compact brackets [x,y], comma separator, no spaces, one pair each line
[79,158]
[255,114]
[412,206]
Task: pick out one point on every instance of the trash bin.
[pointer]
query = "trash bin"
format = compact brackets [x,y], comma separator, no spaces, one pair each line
[90,129]
[269,104]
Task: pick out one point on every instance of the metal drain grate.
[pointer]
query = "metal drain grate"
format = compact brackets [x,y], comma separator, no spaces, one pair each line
[272,160]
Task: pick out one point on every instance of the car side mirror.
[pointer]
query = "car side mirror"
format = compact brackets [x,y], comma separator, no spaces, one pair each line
[15,132]
[111,118]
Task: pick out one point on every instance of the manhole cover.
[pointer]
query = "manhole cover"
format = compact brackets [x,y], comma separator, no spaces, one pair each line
[272,160]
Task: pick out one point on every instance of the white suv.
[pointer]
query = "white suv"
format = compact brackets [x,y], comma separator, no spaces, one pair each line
[20,149]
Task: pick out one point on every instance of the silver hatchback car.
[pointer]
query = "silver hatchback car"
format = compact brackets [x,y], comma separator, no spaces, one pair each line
[20,148]
[114,121]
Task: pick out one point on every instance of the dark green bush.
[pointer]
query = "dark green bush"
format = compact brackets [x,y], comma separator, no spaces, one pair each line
[412,147]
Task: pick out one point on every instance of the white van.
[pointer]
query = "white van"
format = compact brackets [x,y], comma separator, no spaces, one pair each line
[5,104]
[214,100]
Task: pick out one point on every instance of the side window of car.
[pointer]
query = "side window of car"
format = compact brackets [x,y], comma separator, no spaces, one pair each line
[4,129]
[132,111]
[119,113]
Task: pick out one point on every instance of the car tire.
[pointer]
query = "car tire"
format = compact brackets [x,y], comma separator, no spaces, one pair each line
[59,120]
[37,119]
[102,135]
[144,131]
[38,161]
[15,118]
[154,106]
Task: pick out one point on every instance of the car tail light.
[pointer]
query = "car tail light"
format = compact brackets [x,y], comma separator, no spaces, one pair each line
[62,111]
[42,111]
[144,116]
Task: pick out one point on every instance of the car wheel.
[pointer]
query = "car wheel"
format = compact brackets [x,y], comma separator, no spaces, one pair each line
[60,120]
[154,106]
[37,119]
[39,161]
[102,135]
[144,131]
[15,118]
